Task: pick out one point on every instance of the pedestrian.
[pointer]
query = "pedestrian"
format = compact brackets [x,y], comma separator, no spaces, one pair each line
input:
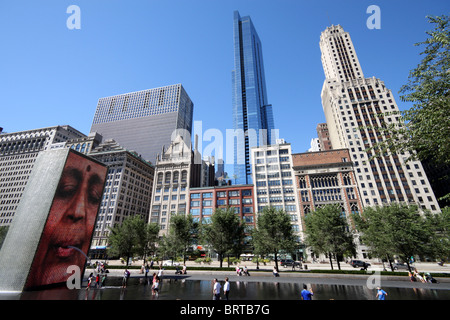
[90,278]
[184,268]
[104,279]
[418,276]
[155,286]
[147,269]
[153,278]
[226,288]
[307,294]
[216,290]
[126,276]
[246,271]
[151,264]
[275,272]
[160,272]
[381,294]
[97,280]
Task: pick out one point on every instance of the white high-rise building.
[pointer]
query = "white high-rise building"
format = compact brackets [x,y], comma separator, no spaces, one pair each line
[274,181]
[355,108]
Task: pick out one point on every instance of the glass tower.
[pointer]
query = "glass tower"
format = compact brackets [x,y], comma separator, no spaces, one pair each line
[253,122]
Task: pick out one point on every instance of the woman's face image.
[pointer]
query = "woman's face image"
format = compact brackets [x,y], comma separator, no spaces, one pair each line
[70,222]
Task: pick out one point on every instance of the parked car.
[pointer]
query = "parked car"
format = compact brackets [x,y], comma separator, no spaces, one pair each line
[288,262]
[168,263]
[359,264]
[399,265]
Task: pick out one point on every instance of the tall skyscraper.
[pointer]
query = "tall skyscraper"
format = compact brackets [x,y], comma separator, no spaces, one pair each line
[252,115]
[355,109]
[145,121]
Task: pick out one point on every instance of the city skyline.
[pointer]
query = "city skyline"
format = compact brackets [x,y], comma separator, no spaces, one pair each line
[64,72]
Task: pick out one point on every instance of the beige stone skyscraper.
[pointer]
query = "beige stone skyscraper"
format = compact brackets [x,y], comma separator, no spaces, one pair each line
[355,108]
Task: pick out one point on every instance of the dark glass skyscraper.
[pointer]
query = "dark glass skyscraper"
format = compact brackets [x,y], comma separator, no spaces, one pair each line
[252,115]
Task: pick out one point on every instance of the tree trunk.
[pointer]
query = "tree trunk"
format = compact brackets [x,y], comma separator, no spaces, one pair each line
[276,261]
[390,262]
[338,263]
[331,261]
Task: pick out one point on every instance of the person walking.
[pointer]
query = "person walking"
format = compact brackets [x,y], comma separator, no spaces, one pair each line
[306,294]
[97,280]
[216,289]
[126,276]
[381,294]
[90,278]
[226,288]
[155,286]
[104,279]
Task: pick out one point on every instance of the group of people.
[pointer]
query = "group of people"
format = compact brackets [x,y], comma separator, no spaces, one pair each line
[182,271]
[242,271]
[415,275]
[99,279]
[217,287]
[100,275]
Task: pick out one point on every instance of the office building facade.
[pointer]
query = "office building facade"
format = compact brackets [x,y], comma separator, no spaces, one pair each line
[274,181]
[178,168]
[127,191]
[145,121]
[327,177]
[252,115]
[355,109]
[18,152]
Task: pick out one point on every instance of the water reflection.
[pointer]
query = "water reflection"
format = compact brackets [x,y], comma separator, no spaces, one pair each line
[182,289]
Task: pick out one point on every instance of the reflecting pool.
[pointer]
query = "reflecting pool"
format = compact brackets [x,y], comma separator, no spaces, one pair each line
[185,289]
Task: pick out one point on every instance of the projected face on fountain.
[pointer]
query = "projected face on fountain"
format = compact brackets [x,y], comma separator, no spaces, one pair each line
[70,222]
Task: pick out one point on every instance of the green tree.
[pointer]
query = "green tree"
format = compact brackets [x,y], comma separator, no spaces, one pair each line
[327,231]
[402,231]
[146,237]
[182,230]
[373,233]
[424,128]
[439,223]
[225,233]
[273,233]
[124,239]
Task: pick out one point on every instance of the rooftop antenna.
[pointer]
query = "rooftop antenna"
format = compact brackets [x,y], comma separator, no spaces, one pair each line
[329,20]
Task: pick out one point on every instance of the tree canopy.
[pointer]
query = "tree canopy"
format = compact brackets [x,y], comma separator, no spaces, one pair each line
[424,129]
[273,233]
[327,231]
[225,233]
[402,230]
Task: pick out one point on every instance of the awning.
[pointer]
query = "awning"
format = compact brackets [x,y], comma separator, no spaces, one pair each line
[98,248]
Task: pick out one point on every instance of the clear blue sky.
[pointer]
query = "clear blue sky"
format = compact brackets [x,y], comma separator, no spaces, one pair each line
[50,75]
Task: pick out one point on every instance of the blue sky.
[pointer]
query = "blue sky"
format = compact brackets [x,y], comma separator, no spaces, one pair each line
[50,75]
